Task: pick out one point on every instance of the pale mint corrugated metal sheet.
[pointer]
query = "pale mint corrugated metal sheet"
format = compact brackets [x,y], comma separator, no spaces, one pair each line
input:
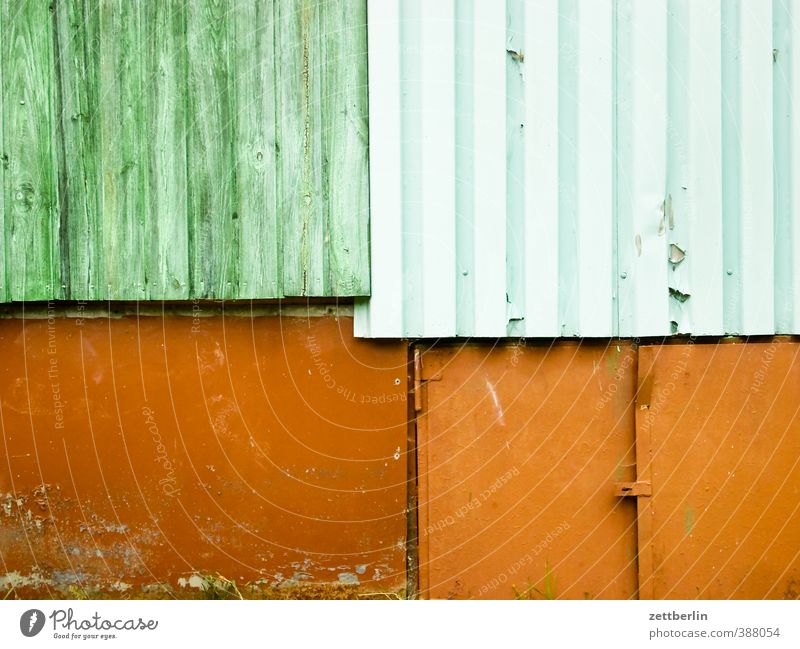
[584,168]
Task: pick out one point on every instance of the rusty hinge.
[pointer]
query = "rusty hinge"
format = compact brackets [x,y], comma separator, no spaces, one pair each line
[640,488]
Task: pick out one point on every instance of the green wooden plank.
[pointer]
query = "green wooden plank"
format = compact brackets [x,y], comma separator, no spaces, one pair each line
[345,134]
[76,38]
[3,165]
[166,228]
[122,73]
[255,153]
[31,219]
[141,158]
[301,195]
[213,211]
[122,141]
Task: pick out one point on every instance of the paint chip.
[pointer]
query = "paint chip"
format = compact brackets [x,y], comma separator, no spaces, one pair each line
[676,254]
[678,295]
[519,57]
[348,578]
[194,581]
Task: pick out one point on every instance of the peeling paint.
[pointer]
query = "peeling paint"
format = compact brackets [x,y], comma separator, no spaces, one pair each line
[676,254]
[516,55]
[16,580]
[334,518]
[300,577]
[678,295]
[102,527]
[348,578]
[194,581]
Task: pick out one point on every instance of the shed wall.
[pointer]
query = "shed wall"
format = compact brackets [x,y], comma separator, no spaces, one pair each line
[564,168]
[174,150]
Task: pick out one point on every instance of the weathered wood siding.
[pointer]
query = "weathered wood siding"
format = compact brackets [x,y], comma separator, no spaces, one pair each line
[174,149]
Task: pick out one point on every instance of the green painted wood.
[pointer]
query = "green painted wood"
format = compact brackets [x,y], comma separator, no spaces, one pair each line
[123,142]
[123,169]
[3,166]
[323,166]
[259,260]
[174,150]
[301,194]
[31,217]
[77,39]
[164,90]
[345,113]
[213,211]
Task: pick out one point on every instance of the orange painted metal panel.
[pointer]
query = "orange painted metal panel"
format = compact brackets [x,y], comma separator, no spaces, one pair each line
[721,422]
[519,450]
[140,452]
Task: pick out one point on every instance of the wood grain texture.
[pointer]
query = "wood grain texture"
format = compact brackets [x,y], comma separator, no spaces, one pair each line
[345,140]
[3,166]
[164,90]
[31,217]
[301,198]
[123,146]
[213,210]
[77,42]
[259,260]
[174,150]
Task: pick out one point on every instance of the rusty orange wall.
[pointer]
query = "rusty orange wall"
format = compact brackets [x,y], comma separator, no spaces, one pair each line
[146,452]
[519,448]
[524,451]
[720,426]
